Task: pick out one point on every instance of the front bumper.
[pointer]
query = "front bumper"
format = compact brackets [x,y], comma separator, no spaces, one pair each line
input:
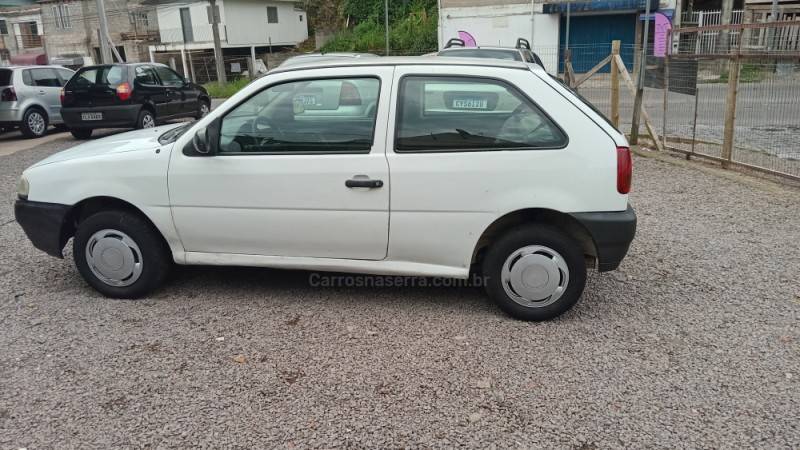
[612,233]
[44,224]
[124,116]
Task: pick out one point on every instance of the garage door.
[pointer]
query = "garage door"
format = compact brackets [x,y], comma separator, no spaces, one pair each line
[590,39]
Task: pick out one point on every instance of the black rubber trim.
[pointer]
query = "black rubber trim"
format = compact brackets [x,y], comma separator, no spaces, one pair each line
[42,223]
[612,233]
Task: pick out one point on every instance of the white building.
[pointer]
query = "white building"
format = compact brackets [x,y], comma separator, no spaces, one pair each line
[243,24]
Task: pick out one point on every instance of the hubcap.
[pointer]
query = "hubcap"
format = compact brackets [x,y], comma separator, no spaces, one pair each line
[203,110]
[114,258]
[535,276]
[36,123]
[148,121]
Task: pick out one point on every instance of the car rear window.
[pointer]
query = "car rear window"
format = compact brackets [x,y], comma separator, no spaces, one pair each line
[483,53]
[5,77]
[105,75]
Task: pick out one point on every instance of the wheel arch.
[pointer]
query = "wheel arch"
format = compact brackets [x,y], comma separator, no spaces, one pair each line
[559,220]
[88,206]
[149,106]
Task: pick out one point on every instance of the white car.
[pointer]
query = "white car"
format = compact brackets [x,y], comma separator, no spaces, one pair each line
[437,167]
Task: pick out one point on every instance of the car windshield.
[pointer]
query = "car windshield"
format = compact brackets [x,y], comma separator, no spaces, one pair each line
[103,75]
[172,135]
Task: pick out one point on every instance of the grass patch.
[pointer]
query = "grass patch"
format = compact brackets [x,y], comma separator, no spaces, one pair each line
[749,73]
[217,90]
[413,34]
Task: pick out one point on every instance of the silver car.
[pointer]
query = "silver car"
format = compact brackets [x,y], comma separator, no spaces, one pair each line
[30,97]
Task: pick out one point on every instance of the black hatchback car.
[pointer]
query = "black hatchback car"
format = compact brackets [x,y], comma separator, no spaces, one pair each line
[129,96]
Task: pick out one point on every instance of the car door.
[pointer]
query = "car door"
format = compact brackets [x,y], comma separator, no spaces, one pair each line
[148,87]
[174,88]
[48,90]
[64,76]
[301,171]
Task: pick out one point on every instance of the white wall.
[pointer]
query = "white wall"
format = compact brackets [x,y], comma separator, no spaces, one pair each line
[169,21]
[501,25]
[247,23]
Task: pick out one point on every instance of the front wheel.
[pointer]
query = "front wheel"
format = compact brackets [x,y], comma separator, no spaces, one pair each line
[120,254]
[203,109]
[535,272]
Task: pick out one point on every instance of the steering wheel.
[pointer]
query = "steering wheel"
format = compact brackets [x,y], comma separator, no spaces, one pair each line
[262,122]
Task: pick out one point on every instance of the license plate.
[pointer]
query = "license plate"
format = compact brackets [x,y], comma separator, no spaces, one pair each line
[92,116]
[307,100]
[470,103]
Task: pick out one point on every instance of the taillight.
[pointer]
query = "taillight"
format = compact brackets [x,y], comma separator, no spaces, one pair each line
[624,170]
[8,95]
[61,95]
[124,91]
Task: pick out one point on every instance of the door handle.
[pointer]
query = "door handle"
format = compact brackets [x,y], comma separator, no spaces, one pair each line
[363,183]
[41,92]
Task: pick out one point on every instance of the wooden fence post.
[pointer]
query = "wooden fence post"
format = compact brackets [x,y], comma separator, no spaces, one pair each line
[666,98]
[614,84]
[730,105]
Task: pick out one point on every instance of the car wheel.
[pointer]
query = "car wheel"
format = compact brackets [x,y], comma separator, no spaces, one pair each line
[535,272]
[146,120]
[120,254]
[203,110]
[34,123]
[81,133]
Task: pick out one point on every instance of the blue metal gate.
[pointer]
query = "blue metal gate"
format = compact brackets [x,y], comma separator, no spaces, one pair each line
[590,39]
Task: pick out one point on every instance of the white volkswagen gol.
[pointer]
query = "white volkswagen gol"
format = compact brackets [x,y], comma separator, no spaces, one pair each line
[403,166]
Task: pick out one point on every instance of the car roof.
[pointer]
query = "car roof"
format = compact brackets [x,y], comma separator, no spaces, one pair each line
[455,49]
[403,61]
[35,66]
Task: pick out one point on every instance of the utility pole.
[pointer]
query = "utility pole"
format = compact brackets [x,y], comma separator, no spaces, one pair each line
[725,19]
[105,51]
[637,102]
[220,63]
[386,23]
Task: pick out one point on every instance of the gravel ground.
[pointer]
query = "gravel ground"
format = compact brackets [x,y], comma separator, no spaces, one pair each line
[692,343]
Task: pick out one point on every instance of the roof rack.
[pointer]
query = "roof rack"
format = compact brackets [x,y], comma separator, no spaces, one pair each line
[455,42]
[523,43]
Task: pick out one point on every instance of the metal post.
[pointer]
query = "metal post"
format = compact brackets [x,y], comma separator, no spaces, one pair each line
[386,23]
[637,103]
[105,51]
[694,123]
[183,62]
[220,62]
[253,62]
[666,96]
[615,84]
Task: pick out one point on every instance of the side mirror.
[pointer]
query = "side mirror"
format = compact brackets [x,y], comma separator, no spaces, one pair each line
[201,143]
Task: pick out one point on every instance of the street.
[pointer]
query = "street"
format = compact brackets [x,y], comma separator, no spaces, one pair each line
[693,342]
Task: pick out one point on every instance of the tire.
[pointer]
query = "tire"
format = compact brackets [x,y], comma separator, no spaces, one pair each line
[146,119]
[126,238]
[34,123]
[551,285]
[200,111]
[81,133]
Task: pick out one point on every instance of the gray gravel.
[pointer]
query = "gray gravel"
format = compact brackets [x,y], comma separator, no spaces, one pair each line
[692,343]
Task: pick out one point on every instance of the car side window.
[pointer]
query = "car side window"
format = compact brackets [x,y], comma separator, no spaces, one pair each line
[146,76]
[65,75]
[308,116]
[440,114]
[45,78]
[169,77]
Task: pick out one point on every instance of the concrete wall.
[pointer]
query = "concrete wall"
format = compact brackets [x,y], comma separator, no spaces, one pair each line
[502,25]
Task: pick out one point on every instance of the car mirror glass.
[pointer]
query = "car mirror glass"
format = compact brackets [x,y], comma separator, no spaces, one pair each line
[200,142]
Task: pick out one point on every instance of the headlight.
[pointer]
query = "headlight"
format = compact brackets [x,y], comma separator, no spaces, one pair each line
[22,188]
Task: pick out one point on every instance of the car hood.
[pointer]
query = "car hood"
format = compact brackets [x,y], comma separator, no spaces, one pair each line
[130,141]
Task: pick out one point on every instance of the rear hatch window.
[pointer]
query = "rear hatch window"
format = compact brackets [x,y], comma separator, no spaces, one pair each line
[5,77]
[95,86]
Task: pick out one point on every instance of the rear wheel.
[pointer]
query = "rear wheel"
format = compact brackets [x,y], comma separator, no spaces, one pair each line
[34,123]
[120,254]
[146,119]
[535,272]
[81,133]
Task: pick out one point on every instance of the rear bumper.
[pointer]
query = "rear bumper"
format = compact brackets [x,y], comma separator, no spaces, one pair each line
[612,233]
[124,116]
[10,114]
[43,223]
